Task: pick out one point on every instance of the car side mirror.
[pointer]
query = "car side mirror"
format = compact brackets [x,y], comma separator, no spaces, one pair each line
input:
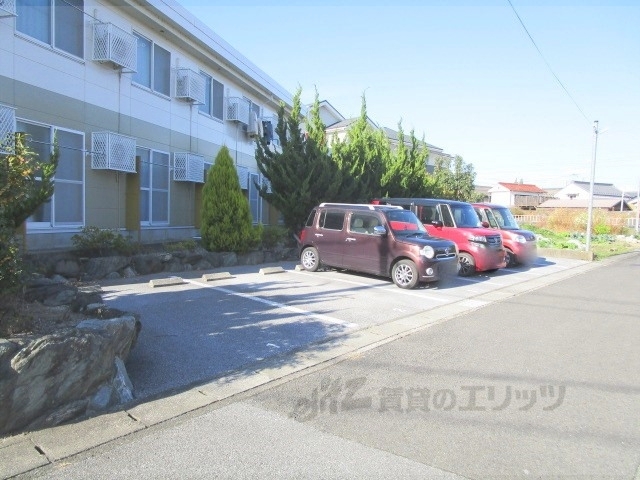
[379,230]
[437,223]
[486,224]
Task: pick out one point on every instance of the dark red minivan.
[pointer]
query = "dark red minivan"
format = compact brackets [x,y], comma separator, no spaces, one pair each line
[376,239]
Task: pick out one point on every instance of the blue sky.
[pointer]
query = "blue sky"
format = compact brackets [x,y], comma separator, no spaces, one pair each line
[465,74]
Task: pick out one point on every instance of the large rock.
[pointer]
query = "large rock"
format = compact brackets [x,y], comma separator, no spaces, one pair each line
[53,377]
[99,267]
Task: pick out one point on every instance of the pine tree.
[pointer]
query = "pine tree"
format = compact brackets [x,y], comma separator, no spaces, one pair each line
[302,174]
[226,224]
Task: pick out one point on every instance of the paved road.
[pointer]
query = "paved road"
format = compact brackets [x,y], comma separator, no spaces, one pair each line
[540,384]
[199,330]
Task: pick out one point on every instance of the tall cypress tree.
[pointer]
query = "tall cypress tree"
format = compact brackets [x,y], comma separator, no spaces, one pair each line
[362,158]
[300,171]
[226,223]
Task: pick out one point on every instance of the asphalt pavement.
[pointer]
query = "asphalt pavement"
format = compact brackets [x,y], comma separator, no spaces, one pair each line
[533,378]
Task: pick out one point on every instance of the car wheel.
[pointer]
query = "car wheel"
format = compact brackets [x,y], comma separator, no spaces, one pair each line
[467,264]
[310,259]
[511,258]
[405,274]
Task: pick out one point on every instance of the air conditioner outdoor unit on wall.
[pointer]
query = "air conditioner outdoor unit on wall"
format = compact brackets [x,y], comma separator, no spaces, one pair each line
[7,8]
[190,85]
[112,44]
[7,129]
[238,110]
[112,151]
[188,167]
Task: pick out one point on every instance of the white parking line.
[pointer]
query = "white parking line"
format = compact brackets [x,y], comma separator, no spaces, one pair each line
[386,288]
[299,311]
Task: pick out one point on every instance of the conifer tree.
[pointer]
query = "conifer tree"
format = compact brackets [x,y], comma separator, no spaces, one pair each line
[226,223]
[406,172]
[362,158]
[300,173]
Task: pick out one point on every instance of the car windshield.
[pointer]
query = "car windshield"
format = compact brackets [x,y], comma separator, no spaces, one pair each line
[405,222]
[505,218]
[465,216]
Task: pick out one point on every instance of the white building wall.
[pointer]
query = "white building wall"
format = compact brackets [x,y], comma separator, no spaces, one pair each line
[502,197]
[66,89]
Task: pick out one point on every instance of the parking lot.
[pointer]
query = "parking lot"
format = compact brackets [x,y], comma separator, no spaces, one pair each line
[199,330]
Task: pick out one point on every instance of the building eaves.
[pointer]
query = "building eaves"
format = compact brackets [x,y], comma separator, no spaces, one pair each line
[214,47]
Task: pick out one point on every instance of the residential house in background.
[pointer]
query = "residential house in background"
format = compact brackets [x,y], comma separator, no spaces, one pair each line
[337,127]
[580,190]
[576,195]
[521,195]
[140,96]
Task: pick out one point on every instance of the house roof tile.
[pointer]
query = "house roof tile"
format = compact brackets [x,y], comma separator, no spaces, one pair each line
[521,187]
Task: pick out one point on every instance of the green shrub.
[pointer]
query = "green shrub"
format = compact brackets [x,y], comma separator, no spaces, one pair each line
[226,224]
[189,244]
[10,261]
[97,241]
[602,229]
[273,236]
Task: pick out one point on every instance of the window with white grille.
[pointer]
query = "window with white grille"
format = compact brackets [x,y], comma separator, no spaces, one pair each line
[7,128]
[188,167]
[56,23]
[190,85]
[112,151]
[113,44]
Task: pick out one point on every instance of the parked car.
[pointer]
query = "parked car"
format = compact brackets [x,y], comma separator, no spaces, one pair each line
[480,249]
[380,240]
[520,245]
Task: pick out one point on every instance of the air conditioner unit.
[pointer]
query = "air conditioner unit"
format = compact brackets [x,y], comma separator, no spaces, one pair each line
[190,85]
[188,167]
[7,8]
[112,44]
[112,151]
[7,128]
[238,110]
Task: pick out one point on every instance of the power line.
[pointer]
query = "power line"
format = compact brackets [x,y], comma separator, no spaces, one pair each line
[547,63]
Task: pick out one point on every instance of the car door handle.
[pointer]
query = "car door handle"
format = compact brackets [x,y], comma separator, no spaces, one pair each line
[350,239]
[319,235]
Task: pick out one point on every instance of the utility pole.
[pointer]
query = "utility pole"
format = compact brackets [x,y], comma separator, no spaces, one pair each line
[638,209]
[593,174]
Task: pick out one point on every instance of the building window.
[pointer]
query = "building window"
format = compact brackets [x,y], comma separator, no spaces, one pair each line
[66,206]
[255,200]
[59,23]
[154,187]
[154,66]
[214,97]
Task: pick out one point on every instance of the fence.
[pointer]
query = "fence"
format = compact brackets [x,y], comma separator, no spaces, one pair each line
[613,219]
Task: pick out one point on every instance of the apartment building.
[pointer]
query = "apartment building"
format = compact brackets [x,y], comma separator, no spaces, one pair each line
[140,96]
